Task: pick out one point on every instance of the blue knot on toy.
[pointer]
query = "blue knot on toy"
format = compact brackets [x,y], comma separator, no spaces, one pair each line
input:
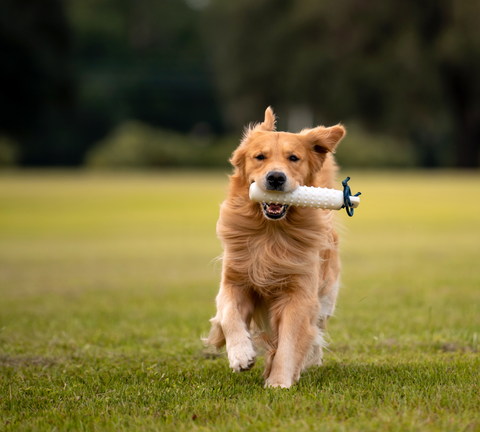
[346,197]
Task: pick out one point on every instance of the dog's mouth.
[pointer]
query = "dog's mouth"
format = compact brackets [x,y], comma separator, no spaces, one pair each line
[274,211]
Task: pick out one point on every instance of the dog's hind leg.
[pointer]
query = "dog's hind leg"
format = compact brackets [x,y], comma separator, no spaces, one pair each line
[315,356]
[328,291]
[215,338]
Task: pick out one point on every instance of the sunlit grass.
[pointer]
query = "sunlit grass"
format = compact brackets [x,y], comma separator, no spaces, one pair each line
[107,282]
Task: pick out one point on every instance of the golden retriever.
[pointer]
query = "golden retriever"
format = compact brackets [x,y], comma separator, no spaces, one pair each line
[280,273]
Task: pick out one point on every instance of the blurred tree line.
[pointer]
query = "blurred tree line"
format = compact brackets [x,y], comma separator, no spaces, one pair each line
[73,72]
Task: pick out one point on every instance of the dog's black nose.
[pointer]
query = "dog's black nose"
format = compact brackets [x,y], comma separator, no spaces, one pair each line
[276,180]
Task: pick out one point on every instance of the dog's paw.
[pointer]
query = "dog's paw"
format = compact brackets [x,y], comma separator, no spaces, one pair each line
[278,383]
[241,356]
[280,379]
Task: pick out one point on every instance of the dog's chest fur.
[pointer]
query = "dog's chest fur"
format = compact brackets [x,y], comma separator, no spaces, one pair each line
[269,256]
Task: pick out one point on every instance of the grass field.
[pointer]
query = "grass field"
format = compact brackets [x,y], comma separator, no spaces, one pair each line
[107,282]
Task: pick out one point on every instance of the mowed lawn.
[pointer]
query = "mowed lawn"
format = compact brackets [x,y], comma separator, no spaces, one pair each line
[107,282]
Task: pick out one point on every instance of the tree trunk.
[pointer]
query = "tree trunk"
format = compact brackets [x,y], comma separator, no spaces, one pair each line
[467,146]
[460,82]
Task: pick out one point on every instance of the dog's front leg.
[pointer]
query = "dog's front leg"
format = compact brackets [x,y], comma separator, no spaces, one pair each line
[294,316]
[234,312]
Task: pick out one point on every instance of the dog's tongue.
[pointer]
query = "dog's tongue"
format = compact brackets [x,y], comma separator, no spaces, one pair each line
[273,208]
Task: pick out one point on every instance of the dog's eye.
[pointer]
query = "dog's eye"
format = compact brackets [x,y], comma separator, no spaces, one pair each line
[260,157]
[293,158]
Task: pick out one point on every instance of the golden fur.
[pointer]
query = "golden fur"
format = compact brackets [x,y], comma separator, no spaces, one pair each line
[280,277]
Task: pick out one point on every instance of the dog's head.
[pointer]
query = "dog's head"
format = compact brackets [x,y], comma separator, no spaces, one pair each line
[282,161]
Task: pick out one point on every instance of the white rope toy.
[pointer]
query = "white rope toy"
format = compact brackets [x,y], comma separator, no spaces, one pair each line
[304,196]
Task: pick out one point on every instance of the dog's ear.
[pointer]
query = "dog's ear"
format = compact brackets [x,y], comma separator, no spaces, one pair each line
[268,124]
[324,140]
[238,157]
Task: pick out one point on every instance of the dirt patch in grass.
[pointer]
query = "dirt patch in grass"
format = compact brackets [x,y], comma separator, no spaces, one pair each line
[25,361]
[454,347]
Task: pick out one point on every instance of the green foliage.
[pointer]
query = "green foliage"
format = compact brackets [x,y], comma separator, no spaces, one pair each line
[363,149]
[135,144]
[405,68]
[107,282]
[73,71]
[144,60]
[37,84]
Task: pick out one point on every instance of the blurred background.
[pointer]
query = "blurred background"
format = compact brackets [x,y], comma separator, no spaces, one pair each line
[171,83]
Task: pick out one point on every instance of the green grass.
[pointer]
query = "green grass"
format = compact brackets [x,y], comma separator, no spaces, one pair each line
[107,282]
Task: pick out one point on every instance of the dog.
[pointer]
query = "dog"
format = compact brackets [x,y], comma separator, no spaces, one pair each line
[280,270]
